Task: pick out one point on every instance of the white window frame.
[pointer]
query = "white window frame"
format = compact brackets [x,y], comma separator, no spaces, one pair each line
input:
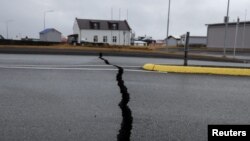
[114,39]
[105,39]
[95,39]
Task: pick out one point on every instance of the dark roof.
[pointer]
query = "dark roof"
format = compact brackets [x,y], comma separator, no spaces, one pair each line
[103,24]
[49,30]
[73,35]
[231,23]
[175,37]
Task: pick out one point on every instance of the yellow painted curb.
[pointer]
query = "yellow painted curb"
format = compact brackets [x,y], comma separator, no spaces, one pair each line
[198,70]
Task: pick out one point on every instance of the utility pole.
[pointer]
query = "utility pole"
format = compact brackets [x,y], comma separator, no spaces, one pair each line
[169,9]
[244,30]
[226,29]
[119,30]
[44,17]
[119,14]
[111,13]
[127,14]
[7,28]
[236,35]
[111,32]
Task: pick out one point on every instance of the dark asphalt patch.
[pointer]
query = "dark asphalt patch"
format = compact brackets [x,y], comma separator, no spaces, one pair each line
[127,119]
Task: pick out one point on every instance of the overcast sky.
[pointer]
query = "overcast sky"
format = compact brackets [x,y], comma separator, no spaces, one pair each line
[146,17]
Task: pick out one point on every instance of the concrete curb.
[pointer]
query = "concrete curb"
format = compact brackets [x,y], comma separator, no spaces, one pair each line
[198,70]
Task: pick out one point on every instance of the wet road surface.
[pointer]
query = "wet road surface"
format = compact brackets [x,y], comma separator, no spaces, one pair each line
[47,97]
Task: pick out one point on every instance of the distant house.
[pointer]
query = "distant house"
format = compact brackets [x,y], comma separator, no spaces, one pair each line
[173,40]
[50,35]
[216,35]
[112,32]
[194,40]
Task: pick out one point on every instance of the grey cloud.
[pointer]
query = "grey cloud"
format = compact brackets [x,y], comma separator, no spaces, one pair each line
[145,16]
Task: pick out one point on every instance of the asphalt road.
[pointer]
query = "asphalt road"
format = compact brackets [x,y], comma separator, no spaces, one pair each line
[58,97]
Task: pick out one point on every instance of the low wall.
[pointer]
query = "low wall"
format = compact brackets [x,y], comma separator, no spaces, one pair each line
[27,42]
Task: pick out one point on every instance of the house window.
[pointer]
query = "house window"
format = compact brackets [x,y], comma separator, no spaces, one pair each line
[114,39]
[95,38]
[105,39]
[113,26]
[95,25]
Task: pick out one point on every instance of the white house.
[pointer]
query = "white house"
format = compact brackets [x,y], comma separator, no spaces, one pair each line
[50,35]
[111,32]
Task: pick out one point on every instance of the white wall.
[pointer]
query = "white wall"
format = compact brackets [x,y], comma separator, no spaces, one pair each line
[198,40]
[76,30]
[172,42]
[51,36]
[194,40]
[216,36]
[88,35]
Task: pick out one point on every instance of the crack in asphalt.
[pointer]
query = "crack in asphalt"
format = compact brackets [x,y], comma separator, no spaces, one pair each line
[127,119]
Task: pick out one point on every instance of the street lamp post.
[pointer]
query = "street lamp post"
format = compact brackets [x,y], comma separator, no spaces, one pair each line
[244,30]
[226,28]
[236,35]
[44,17]
[169,8]
[7,28]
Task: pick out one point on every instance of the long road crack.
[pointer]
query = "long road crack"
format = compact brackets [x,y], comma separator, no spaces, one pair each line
[127,119]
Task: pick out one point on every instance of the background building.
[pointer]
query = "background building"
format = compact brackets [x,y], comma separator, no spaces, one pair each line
[194,40]
[216,35]
[173,41]
[102,31]
[50,35]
